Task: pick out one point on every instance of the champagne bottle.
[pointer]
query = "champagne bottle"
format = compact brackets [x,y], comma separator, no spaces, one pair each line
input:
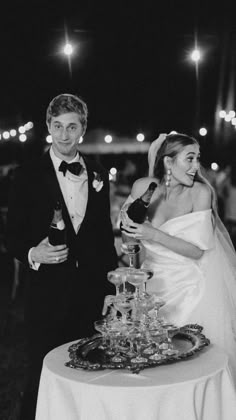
[57,229]
[138,209]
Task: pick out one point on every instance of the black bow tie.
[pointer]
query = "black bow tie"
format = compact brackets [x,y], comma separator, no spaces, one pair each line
[74,167]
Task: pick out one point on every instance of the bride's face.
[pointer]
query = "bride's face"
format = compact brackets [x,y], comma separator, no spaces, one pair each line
[185,165]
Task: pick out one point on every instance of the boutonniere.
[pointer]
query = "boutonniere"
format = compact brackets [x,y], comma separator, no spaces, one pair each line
[97,182]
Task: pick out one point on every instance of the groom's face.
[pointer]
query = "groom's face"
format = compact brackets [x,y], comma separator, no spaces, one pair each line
[66,130]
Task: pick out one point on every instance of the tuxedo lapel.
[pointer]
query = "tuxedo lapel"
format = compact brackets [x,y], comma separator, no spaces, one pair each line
[93,196]
[89,207]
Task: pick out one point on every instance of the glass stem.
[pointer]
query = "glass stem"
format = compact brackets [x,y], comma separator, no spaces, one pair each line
[131,260]
[124,284]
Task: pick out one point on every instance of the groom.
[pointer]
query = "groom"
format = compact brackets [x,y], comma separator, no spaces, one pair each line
[66,284]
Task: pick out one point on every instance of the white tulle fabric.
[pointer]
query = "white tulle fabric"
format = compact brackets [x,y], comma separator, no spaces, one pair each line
[152,152]
[202,291]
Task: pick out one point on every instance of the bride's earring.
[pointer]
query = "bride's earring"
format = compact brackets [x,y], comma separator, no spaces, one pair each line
[168,177]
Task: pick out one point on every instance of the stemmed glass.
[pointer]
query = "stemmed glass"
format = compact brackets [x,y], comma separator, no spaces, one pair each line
[139,336]
[156,335]
[123,304]
[167,345]
[123,271]
[137,278]
[115,278]
[130,338]
[149,273]
[116,331]
[130,248]
[143,306]
[101,326]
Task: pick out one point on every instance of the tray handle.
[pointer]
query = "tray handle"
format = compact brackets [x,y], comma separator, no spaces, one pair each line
[195,327]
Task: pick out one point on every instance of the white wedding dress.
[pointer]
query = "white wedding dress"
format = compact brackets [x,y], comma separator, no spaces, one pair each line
[197,291]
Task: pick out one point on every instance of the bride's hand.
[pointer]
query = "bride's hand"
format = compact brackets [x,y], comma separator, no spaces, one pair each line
[144,231]
[124,218]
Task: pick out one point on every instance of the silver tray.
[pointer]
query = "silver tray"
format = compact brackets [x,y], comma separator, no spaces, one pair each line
[87,354]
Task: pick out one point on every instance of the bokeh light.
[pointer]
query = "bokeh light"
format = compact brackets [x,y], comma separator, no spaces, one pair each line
[22,138]
[21,129]
[140,137]
[196,55]
[113,171]
[231,114]
[203,131]
[6,135]
[68,49]
[214,166]
[13,133]
[108,138]
[49,139]
[222,114]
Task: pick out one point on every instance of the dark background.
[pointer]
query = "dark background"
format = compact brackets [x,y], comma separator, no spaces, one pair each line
[131,65]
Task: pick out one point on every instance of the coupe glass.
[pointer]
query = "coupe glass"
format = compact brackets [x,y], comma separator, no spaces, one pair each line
[137,278]
[167,345]
[130,339]
[156,335]
[142,306]
[115,278]
[123,271]
[130,248]
[116,335]
[123,304]
[101,327]
[149,273]
[139,338]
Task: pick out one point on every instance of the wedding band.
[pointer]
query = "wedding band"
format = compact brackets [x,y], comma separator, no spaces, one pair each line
[57,259]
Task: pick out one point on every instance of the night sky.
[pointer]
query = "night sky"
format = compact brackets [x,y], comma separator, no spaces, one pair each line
[131,64]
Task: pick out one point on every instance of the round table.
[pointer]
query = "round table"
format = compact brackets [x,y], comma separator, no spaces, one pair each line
[199,388]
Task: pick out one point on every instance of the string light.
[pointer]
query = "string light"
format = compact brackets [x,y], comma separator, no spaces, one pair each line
[228,116]
[108,138]
[13,132]
[203,131]
[22,138]
[140,137]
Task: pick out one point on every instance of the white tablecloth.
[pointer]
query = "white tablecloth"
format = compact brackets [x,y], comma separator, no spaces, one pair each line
[200,388]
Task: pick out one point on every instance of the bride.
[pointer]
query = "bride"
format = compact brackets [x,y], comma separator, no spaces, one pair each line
[186,244]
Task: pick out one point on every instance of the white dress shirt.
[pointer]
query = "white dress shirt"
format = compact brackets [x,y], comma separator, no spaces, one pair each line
[74,189]
[75,193]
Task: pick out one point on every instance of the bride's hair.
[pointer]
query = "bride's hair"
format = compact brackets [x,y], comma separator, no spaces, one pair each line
[172,146]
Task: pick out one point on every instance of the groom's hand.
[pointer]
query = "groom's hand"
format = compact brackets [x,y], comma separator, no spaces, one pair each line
[44,253]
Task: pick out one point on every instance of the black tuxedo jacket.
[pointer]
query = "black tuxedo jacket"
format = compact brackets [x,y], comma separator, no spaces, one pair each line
[34,193]
[92,254]
[62,300]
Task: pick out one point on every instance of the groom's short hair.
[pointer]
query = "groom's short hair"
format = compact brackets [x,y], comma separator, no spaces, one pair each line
[65,103]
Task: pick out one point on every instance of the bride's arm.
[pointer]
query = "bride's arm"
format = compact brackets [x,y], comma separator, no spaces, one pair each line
[147,232]
[178,245]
